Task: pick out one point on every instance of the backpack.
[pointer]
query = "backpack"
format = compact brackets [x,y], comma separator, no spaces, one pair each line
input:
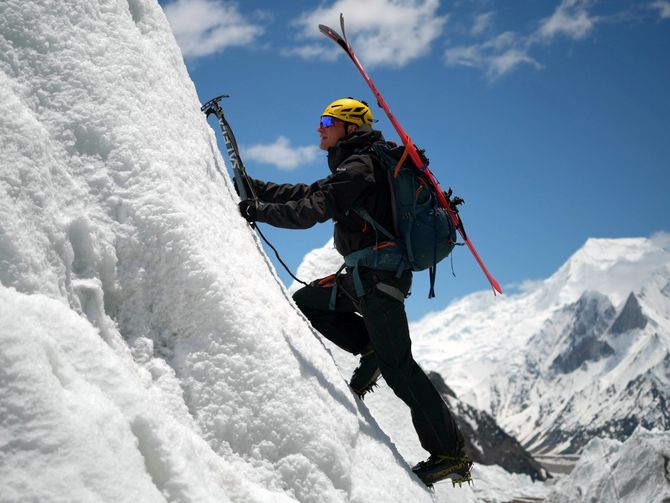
[423,232]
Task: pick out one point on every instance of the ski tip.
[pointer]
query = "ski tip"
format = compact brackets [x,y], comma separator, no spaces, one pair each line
[335,37]
[330,33]
[344,32]
[496,287]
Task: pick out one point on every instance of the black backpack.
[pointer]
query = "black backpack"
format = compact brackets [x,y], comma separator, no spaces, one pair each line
[423,233]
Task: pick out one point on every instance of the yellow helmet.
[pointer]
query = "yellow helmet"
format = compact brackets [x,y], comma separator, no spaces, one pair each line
[350,110]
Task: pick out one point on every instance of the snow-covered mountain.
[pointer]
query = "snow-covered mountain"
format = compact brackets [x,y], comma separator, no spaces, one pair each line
[582,354]
[485,441]
[637,470]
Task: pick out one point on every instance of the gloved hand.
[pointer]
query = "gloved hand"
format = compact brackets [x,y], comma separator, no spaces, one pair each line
[248,210]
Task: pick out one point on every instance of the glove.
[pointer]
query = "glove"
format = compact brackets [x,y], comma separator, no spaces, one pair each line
[248,210]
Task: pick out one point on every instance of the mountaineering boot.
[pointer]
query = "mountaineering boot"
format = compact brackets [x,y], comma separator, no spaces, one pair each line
[366,374]
[438,467]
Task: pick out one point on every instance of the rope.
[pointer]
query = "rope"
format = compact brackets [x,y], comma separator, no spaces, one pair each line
[267,242]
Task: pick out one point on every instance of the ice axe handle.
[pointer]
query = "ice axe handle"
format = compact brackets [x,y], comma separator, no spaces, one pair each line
[240,174]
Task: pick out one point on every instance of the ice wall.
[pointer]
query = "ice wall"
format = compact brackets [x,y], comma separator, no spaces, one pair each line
[118,224]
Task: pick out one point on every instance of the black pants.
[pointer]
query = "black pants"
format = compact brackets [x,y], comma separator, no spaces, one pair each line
[383,325]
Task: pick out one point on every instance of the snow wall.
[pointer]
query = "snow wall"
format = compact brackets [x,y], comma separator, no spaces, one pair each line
[147,350]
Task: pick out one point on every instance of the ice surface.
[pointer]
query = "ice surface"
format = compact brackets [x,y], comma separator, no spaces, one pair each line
[149,352]
[81,421]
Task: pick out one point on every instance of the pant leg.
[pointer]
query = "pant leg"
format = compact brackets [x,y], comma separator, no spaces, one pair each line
[342,326]
[386,322]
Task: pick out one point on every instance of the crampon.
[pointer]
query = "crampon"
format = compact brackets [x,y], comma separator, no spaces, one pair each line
[366,374]
[368,389]
[439,468]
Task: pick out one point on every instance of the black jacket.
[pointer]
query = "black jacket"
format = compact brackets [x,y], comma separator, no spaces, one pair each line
[356,179]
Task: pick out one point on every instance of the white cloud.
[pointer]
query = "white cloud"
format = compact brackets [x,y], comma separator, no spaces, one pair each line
[482,23]
[663,7]
[281,154]
[508,60]
[204,27]
[571,18]
[496,57]
[384,32]
[314,51]
[661,239]
[508,51]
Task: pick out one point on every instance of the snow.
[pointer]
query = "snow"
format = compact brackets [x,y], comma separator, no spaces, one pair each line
[149,351]
[607,265]
[82,419]
[477,337]
[624,472]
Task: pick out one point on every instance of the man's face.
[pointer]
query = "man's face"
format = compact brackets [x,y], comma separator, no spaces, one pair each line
[330,132]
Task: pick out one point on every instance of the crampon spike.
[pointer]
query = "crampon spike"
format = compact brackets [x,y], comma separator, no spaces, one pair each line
[370,389]
[467,478]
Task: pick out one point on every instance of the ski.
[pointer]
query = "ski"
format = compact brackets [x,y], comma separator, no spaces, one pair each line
[410,148]
[214,107]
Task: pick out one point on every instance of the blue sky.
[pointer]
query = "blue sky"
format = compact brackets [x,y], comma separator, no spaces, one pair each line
[550,118]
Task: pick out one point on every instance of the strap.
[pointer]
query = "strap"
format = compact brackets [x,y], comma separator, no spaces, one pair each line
[432,272]
[396,170]
[394,292]
[358,283]
[363,213]
[332,304]
[390,258]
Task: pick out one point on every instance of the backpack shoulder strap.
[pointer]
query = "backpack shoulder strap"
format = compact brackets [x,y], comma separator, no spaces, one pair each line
[365,215]
[386,155]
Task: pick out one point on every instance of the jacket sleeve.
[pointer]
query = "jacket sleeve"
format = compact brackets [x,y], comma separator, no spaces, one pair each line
[331,197]
[279,193]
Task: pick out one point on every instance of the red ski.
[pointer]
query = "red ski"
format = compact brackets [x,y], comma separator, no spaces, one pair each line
[410,148]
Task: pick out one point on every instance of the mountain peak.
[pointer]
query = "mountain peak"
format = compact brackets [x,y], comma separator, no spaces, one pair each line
[606,251]
[613,267]
[592,313]
[630,318]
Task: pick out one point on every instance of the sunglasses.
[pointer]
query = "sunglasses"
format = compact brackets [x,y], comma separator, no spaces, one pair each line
[327,121]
